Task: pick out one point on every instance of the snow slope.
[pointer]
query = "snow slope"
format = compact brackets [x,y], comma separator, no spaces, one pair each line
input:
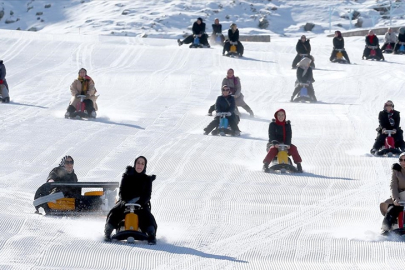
[214,207]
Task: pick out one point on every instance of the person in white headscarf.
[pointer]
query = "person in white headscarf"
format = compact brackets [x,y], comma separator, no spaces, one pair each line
[304,75]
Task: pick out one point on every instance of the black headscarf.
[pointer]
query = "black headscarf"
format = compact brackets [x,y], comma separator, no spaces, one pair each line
[146,162]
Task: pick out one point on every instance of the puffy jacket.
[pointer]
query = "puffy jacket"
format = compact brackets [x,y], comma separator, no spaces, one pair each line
[303,47]
[234,37]
[338,43]
[134,185]
[276,133]
[225,104]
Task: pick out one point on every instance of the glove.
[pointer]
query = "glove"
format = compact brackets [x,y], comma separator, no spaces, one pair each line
[228,114]
[1,81]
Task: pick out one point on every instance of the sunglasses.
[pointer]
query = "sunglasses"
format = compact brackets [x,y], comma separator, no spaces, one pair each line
[401,160]
[69,162]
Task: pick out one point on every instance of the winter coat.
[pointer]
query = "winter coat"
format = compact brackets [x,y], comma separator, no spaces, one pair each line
[76,89]
[397,181]
[276,133]
[59,174]
[225,104]
[198,28]
[2,71]
[134,185]
[234,84]
[233,36]
[385,123]
[390,38]
[217,28]
[303,47]
[401,38]
[338,43]
[308,77]
[374,43]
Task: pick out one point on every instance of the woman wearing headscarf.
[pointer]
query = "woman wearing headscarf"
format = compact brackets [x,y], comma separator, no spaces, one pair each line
[83,85]
[338,43]
[198,31]
[135,183]
[303,47]
[389,38]
[233,39]
[280,132]
[401,39]
[304,75]
[372,41]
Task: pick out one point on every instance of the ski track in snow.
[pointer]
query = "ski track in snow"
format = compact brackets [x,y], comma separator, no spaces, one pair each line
[214,207]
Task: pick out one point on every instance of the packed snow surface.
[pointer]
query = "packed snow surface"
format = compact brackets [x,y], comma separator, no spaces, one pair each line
[214,206]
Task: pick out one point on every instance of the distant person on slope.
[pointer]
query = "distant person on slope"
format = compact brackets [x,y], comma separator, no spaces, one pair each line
[3,84]
[338,43]
[304,75]
[198,31]
[303,47]
[280,132]
[217,32]
[389,119]
[372,41]
[83,85]
[391,39]
[391,207]
[233,82]
[233,39]
[135,183]
[401,39]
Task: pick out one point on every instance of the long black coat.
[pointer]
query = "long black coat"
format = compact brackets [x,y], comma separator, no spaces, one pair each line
[303,47]
[338,43]
[2,71]
[234,37]
[401,37]
[134,185]
[374,43]
[59,174]
[225,104]
[384,122]
[308,77]
[276,133]
[217,28]
[198,28]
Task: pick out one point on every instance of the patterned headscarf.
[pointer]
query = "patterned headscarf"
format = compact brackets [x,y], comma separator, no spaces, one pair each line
[63,160]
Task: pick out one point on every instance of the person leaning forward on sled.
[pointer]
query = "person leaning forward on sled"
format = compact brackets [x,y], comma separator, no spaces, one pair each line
[389,119]
[280,132]
[391,208]
[83,85]
[225,103]
[64,173]
[135,183]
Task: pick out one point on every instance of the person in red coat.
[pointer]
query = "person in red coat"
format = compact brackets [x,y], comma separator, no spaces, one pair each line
[280,132]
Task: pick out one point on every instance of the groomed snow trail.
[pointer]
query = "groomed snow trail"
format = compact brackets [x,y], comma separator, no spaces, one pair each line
[214,207]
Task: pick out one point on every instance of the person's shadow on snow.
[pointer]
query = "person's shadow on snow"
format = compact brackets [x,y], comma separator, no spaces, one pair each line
[308,174]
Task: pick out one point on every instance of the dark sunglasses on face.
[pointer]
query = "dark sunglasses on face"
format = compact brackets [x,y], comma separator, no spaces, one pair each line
[401,160]
[69,162]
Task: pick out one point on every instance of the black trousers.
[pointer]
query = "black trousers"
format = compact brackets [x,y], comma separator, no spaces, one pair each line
[366,52]
[88,105]
[117,214]
[215,123]
[190,39]
[391,216]
[311,91]
[333,55]
[239,47]
[398,138]
[386,44]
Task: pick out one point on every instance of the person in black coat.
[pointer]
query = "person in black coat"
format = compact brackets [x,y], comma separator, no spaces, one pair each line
[304,75]
[303,47]
[217,32]
[63,173]
[338,43]
[389,119]
[134,183]
[372,40]
[224,103]
[198,31]
[401,39]
[3,82]
[233,39]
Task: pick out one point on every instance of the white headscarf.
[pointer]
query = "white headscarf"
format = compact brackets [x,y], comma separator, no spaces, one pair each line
[304,64]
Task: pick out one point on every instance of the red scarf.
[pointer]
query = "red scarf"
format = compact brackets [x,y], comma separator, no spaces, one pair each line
[371,38]
[281,123]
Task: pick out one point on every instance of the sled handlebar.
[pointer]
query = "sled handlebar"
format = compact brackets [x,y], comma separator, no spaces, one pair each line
[82,97]
[389,132]
[372,47]
[340,50]
[223,114]
[303,84]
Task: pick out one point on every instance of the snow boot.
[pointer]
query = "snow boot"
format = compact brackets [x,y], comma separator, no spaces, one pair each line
[107,231]
[179,42]
[265,167]
[299,167]
[151,235]
[6,100]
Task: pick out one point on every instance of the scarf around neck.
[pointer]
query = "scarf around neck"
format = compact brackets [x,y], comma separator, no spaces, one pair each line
[281,123]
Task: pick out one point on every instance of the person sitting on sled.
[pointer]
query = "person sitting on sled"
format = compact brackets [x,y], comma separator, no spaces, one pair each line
[217,32]
[388,119]
[225,103]
[280,132]
[198,31]
[304,75]
[391,207]
[64,173]
[135,183]
[83,85]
